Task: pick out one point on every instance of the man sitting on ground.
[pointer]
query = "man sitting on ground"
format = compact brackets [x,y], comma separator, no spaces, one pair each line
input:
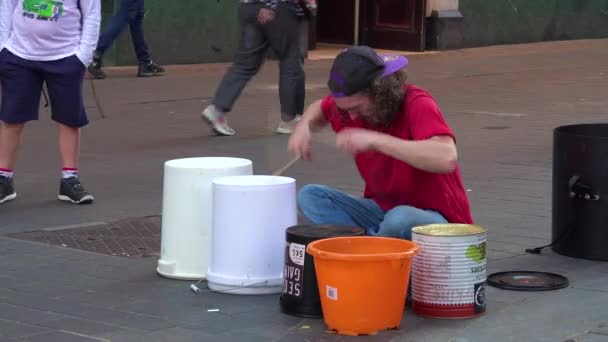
[401,144]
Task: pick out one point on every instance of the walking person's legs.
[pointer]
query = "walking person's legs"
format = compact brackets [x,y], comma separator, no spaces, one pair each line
[286,42]
[116,25]
[147,67]
[247,62]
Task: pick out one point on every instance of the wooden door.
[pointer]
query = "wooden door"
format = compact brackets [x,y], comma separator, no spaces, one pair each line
[393,24]
[336,21]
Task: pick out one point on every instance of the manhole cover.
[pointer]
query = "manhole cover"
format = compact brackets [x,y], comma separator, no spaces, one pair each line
[137,237]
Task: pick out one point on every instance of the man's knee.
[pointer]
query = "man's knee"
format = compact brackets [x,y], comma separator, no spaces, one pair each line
[311,193]
[398,222]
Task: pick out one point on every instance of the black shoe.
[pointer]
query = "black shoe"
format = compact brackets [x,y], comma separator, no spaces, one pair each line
[150,69]
[71,190]
[95,67]
[7,190]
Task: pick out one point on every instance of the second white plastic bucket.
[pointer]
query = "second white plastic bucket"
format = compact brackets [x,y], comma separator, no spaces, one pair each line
[250,216]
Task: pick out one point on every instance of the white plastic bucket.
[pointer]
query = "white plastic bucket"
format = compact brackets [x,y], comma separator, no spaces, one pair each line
[186,220]
[250,216]
[449,272]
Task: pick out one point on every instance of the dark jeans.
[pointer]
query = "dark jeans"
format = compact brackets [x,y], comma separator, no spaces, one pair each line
[282,35]
[131,12]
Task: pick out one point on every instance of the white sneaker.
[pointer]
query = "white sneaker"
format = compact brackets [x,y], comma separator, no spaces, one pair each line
[217,120]
[287,127]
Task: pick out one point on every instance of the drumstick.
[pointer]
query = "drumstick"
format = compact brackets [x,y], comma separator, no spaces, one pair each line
[286,166]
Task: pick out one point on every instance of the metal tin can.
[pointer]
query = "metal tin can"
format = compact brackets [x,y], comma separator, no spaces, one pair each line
[449,272]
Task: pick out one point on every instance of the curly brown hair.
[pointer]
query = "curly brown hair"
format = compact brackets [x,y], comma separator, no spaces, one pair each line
[387,94]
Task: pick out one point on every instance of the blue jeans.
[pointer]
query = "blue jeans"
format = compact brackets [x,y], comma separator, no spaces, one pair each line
[324,205]
[131,12]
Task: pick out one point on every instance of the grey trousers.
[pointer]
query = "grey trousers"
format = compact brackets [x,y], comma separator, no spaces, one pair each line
[283,36]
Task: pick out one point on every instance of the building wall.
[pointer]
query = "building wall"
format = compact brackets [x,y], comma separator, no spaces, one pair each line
[491,22]
[180,31]
[202,31]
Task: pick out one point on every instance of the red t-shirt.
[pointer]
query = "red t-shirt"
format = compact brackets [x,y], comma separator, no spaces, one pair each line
[391,182]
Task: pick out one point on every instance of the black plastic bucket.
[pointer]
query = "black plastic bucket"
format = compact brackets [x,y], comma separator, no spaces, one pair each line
[580,191]
[300,295]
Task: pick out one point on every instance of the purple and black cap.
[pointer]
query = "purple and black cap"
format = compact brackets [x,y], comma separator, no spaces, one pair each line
[355,68]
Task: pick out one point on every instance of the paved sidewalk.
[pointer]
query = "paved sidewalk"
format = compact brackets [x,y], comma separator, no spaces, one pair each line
[503,103]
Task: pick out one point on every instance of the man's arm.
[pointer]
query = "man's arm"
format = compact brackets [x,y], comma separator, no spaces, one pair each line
[91,21]
[431,147]
[7,8]
[437,154]
[313,116]
[300,140]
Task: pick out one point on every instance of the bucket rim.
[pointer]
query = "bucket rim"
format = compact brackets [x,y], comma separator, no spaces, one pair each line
[421,229]
[208,163]
[253,181]
[313,250]
[566,130]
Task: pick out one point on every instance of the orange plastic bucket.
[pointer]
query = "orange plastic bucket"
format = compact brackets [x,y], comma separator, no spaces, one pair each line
[362,281]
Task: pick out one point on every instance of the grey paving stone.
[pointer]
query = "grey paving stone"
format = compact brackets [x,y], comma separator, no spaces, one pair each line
[99,299]
[82,326]
[595,281]
[43,303]
[240,336]
[591,338]
[147,322]
[497,255]
[12,330]
[22,314]
[59,285]
[266,323]
[180,334]
[542,319]
[59,336]
[179,311]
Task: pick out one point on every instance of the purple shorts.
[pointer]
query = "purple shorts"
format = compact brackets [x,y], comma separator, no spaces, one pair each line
[22,86]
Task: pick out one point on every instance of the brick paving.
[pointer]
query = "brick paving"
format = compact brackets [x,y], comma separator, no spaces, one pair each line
[503,103]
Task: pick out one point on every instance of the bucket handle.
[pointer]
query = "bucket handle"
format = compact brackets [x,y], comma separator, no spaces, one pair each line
[579,189]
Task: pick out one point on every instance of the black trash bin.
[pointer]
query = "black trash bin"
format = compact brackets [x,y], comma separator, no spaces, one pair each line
[300,288]
[580,191]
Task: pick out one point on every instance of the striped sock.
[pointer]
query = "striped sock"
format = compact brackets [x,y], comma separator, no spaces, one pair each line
[8,173]
[69,172]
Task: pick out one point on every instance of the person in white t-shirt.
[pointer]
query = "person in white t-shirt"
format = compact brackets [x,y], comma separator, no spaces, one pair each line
[45,42]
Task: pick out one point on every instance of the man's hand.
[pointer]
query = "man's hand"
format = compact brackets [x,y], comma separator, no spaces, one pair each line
[356,140]
[265,16]
[300,141]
